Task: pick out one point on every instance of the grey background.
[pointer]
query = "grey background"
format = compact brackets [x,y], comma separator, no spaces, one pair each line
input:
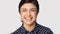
[48,16]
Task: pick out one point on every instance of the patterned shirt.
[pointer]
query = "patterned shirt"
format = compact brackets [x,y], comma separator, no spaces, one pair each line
[39,29]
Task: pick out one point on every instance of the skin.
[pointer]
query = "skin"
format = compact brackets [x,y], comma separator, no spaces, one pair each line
[28,14]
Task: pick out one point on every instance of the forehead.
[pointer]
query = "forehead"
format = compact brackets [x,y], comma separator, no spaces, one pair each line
[28,5]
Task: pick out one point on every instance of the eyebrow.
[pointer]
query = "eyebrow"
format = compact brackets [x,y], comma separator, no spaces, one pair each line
[31,8]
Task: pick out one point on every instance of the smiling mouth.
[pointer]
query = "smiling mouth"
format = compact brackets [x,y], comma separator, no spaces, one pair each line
[28,19]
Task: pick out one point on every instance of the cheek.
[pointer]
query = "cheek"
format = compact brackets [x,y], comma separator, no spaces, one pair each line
[34,15]
[22,15]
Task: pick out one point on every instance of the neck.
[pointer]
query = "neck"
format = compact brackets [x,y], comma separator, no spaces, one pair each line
[29,27]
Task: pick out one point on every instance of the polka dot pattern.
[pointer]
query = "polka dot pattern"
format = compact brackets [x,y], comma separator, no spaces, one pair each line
[39,29]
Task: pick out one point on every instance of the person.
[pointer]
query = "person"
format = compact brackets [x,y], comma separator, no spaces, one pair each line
[28,10]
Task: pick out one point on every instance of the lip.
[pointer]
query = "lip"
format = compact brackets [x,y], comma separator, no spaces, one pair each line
[28,19]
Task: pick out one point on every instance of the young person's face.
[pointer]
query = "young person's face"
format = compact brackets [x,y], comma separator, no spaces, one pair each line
[28,13]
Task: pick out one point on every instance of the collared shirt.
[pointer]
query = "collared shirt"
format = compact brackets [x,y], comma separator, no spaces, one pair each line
[39,29]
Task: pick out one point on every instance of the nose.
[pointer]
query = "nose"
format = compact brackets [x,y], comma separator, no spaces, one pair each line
[29,13]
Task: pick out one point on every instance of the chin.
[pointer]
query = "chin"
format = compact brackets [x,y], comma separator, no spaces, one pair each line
[29,23]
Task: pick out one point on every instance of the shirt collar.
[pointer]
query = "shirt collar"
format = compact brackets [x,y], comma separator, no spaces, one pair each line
[35,29]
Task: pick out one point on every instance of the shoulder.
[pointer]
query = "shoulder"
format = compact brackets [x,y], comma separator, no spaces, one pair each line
[44,29]
[17,31]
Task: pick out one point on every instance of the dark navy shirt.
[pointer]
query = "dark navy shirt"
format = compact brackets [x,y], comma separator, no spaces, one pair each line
[39,29]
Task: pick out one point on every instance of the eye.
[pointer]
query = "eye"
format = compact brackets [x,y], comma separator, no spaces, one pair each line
[33,10]
[24,10]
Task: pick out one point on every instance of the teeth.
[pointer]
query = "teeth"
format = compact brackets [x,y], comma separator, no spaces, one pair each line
[28,18]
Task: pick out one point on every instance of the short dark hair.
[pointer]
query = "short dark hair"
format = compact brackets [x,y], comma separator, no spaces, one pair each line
[35,2]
